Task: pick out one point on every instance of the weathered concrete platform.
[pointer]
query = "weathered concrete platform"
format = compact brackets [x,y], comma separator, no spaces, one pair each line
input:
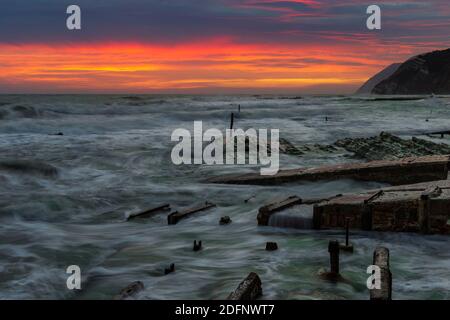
[265,212]
[423,207]
[394,172]
[176,216]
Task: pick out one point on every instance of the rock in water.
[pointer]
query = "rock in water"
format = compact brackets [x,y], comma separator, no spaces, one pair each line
[130,290]
[249,289]
[225,220]
[271,246]
[30,167]
[424,74]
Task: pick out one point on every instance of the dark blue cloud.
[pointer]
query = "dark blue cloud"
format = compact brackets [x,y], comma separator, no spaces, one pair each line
[174,21]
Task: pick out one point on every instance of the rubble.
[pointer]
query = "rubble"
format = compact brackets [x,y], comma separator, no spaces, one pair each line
[385,146]
[389,147]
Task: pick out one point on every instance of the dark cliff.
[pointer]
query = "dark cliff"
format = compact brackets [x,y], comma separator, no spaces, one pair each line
[424,74]
[367,87]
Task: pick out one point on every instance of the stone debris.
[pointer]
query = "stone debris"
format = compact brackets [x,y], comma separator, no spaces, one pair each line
[287,147]
[385,146]
[389,147]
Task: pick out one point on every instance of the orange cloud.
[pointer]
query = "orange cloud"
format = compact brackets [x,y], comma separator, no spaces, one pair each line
[219,63]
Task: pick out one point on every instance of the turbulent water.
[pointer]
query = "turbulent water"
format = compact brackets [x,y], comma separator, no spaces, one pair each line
[64,199]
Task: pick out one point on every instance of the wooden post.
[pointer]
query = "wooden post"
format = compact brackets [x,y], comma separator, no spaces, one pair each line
[239,108]
[333,249]
[271,246]
[381,259]
[249,289]
[332,275]
[197,246]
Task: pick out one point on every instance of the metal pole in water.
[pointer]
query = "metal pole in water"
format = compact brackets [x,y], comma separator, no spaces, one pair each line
[232,121]
[347,225]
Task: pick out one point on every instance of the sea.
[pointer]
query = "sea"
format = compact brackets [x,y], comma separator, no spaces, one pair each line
[74,167]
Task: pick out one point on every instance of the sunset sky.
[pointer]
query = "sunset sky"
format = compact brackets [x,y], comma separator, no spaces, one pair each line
[210,46]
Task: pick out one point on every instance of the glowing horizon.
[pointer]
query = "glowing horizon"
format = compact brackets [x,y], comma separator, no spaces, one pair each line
[148,68]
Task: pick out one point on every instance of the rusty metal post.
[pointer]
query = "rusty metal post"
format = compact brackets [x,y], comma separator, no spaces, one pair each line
[347,246]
